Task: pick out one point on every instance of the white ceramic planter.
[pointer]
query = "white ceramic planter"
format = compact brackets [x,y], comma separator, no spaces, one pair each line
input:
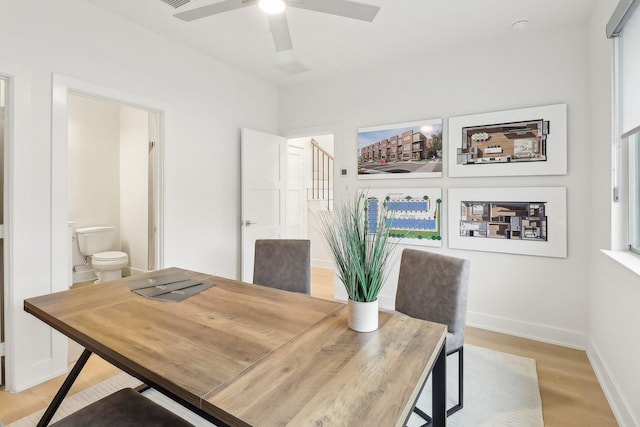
[363,316]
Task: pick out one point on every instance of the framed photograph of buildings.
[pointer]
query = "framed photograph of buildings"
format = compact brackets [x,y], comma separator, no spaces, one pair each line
[516,220]
[415,214]
[403,150]
[527,141]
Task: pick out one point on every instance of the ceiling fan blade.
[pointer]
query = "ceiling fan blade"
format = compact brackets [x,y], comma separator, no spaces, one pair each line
[286,62]
[346,8]
[280,32]
[213,9]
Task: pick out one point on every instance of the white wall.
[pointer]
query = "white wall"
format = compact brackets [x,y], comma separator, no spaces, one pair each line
[134,186]
[205,103]
[543,298]
[614,347]
[94,159]
[326,142]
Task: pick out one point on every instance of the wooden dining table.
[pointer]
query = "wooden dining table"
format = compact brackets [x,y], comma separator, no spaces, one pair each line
[240,354]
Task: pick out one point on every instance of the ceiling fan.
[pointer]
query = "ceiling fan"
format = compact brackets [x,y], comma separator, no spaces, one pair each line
[278,20]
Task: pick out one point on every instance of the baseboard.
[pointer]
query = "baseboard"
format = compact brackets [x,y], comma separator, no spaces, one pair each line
[22,387]
[321,263]
[386,302]
[534,331]
[616,401]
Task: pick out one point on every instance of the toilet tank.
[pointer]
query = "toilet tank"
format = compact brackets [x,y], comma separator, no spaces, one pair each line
[92,240]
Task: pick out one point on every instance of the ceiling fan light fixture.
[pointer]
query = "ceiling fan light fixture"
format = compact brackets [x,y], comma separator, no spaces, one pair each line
[272,7]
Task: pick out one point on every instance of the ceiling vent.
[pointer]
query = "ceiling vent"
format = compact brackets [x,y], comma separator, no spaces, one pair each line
[175,3]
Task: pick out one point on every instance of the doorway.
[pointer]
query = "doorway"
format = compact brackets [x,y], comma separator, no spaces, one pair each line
[285,184]
[65,89]
[111,178]
[318,182]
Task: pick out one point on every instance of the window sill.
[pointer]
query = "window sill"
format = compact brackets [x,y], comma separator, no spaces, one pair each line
[627,259]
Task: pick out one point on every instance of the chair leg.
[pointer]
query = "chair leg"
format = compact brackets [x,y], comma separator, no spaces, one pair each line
[459,405]
[424,416]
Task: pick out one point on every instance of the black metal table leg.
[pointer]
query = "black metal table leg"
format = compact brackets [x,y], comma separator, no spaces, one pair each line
[64,389]
[439,391]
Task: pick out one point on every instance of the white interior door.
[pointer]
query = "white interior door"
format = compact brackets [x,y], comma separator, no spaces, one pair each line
[296,200]
[263,160]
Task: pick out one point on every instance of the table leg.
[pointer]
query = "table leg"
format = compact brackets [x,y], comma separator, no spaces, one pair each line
[64,389]
[439,390]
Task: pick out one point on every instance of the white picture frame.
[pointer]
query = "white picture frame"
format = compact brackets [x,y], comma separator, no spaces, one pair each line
[376,159]
[416,212]
[526,141]
[462,218]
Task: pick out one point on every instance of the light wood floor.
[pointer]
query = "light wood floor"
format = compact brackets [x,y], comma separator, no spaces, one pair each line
[571,395]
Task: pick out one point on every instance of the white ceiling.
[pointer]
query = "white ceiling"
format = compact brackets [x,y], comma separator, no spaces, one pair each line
[328,45]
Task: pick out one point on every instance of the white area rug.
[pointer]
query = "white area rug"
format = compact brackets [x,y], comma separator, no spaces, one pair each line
[500,390]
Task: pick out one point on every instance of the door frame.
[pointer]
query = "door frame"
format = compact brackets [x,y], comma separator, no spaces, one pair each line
[62,86]
[5,96]
[17,121]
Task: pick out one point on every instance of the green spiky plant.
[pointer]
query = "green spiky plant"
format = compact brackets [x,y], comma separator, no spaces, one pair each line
[361,257]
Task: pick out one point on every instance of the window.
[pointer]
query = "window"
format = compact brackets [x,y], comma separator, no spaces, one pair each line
[624,28]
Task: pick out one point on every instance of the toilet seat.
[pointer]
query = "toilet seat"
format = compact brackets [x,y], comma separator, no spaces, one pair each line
[108,265]
[110,256]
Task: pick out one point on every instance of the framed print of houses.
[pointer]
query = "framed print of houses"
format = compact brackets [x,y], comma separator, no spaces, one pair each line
[527,141]
[403,150]
[517,220]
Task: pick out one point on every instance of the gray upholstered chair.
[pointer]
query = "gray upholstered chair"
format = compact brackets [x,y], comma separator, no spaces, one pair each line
[283,264]
[124,408]
[434,287]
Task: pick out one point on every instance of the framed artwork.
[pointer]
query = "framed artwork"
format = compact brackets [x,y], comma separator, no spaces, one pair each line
[526,221]
[527,141]
[415,215]
[403,150]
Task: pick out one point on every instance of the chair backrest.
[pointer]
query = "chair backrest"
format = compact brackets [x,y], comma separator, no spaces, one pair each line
[434,287]
[283,264]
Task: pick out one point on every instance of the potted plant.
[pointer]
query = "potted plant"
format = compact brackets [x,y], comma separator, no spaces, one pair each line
[361,254]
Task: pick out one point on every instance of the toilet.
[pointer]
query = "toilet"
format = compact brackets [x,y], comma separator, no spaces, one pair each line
[96,242]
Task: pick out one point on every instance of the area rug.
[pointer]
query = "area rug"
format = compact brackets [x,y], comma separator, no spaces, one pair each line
[500,390]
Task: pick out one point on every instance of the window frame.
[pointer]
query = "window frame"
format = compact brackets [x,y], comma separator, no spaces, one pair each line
[625,225]
[632,141]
